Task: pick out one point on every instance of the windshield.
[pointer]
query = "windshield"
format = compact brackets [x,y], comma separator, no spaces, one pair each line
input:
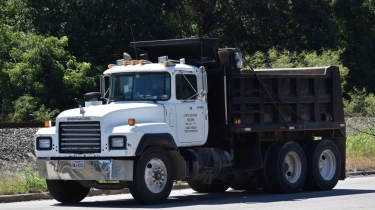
[140,86]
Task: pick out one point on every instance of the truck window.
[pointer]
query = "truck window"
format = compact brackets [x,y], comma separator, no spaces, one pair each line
[184,90]
[140,86]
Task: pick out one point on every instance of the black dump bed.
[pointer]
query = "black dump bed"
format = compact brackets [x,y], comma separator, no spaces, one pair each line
[286,99]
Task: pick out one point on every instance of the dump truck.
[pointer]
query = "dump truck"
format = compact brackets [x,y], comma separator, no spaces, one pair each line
[187,110]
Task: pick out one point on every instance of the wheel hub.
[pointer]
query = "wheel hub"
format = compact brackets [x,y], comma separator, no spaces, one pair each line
[292,167]
[327,165]
[155,175]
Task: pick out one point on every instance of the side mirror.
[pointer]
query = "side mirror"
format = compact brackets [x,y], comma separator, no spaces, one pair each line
[202,95]
[202,75]
[104,85]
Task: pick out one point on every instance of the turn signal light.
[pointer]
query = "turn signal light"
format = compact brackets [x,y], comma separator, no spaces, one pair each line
[131,121]
[47,123]
[237,121]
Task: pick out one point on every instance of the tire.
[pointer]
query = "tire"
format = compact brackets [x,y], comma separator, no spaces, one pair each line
[323,161]
[260,174]
[286,167]
[243,181]
[153,177]
[216,186]
[67,191]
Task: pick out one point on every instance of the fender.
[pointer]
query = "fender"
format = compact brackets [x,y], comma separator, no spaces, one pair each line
[164,140]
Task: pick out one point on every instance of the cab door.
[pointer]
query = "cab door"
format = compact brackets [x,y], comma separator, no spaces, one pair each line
[191,114]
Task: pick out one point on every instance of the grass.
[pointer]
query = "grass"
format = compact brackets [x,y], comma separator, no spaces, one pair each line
[360,151]
[26,181]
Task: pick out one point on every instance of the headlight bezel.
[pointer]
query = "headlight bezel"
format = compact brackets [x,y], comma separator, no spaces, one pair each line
[111,143]
[38,141]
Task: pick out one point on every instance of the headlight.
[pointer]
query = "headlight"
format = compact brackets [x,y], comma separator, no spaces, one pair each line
[117,142]
[43,143]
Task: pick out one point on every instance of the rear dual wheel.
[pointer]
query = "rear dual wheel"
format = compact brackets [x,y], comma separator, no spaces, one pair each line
[284,169]
[324,161]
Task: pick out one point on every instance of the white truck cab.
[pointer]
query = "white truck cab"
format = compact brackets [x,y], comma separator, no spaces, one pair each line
[159,98]
[142,104]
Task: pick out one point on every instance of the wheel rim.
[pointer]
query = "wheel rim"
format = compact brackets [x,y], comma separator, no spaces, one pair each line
[327,165]
[292,167]
[155,175]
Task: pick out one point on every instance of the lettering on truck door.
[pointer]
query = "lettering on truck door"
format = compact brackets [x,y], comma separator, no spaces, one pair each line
[190,112]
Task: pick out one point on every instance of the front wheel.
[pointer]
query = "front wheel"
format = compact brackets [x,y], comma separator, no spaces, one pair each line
[67,191]
[323,159]
[153,177]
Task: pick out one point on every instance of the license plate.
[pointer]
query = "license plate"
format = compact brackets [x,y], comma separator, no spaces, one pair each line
[78,164]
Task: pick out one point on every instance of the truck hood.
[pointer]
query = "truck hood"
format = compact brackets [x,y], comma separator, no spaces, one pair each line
[102,110]
[116,114]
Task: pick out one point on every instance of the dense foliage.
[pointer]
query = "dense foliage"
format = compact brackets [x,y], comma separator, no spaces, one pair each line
[51,52]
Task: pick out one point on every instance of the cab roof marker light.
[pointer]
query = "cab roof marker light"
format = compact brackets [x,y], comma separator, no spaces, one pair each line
[111,65]
[182,61]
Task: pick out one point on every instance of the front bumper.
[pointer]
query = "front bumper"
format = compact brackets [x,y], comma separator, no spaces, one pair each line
[89,170]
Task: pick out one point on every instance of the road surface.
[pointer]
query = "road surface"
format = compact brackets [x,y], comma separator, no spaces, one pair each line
[353,193]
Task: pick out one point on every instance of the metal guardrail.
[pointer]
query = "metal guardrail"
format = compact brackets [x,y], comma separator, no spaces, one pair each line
[27,125]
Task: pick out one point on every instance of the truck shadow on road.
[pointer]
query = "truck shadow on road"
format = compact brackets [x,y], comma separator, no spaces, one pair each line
[228,197]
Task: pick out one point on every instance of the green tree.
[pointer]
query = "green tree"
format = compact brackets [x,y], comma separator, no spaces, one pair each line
[286,59]
[99,31]
[356,21]
[38,76]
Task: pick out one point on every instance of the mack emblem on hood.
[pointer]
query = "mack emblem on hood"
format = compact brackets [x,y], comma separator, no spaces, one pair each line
[78,118]
[81,110]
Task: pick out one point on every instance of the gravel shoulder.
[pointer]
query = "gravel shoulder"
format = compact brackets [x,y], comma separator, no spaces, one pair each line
[15,147]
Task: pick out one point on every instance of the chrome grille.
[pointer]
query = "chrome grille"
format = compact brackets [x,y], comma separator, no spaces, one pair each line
[79,137]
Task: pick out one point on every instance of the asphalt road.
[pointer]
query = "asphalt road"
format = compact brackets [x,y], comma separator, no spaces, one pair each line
[353,193]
